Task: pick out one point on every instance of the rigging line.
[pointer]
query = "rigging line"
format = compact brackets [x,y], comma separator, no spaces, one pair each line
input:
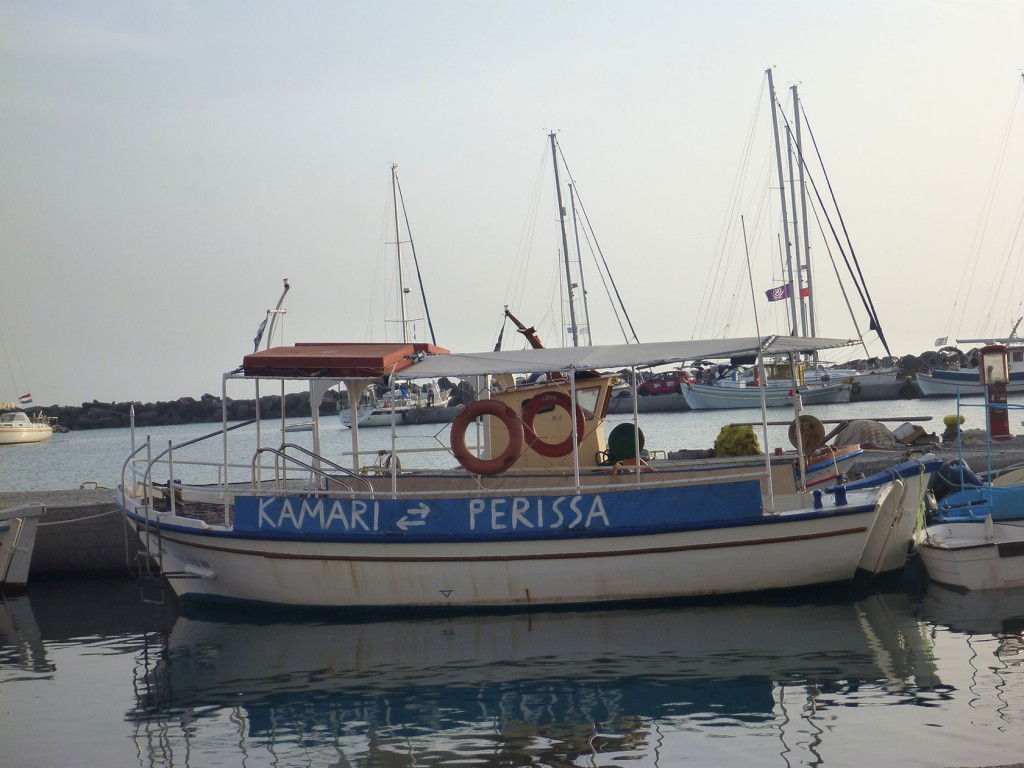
[729,220]
[861,290]
[586,218]
[10,349]
[981,228]
[717,268]
[735,310]
[842,288]
[415,261]
[607,290]
[869,303]
[521,262]
[1011,245]
[758,223]
[1006,263]
[382,247]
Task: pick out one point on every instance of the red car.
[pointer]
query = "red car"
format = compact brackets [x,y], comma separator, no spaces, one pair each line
[665,383]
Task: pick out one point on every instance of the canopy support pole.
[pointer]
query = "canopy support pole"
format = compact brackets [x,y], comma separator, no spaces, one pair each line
[574,425]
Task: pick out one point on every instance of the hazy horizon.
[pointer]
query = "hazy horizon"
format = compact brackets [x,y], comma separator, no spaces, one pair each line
[165,166]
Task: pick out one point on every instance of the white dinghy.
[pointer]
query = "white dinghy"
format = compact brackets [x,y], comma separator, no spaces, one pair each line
[975,555]
[535,513]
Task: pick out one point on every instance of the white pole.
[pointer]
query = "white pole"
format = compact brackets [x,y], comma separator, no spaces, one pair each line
[798,409]
[224,432]
[394,439]
[636,423]
[284,464]
[782,201]
[170,473]
[398,253]
[798,280]
[573,425]
[803,215]
[764,380]
[314,414]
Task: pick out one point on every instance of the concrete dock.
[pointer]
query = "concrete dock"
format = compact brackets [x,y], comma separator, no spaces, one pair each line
[81,532]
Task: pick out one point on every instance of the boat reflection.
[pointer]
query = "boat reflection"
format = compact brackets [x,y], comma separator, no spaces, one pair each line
[559,684]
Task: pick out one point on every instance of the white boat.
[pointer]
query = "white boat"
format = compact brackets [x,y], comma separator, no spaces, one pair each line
[702,397]
[375,413]
[16,427]
[530,517]
[17,540]
[967,381]
[781,381]
[975,555]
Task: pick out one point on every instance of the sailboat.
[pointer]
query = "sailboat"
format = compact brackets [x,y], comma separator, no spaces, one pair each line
[368,410]
[815,384]
[16,426]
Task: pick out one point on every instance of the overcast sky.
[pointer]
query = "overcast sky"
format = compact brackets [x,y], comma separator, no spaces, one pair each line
[165,165]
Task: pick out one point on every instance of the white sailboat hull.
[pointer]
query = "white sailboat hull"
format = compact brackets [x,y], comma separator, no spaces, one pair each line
[372,417]
[33,433]
[702,397]
[932,386]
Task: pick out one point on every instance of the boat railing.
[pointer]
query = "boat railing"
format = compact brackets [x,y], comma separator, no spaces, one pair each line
[645,481]
[281,456]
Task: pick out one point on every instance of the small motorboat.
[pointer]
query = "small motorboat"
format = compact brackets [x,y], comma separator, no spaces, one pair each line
[975,555]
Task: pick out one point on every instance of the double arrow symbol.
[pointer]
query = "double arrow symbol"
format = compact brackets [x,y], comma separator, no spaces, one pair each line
[421,511]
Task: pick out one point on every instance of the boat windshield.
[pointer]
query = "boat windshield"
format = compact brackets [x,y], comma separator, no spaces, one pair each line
[14,418]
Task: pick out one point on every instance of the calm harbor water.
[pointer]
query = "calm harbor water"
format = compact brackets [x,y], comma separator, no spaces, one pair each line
[90,675]
[93,674]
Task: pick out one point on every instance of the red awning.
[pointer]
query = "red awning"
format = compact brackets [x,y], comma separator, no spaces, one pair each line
[336,361]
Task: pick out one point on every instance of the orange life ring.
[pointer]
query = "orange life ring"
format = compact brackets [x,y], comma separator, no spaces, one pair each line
[474,463]
[534,406]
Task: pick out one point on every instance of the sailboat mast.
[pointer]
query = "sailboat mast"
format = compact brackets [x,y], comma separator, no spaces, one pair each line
[579,262]
[565,244]
[803,216]
[798,284]
[398,253]
[793,289]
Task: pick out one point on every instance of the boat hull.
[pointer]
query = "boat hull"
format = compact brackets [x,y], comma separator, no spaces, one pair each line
[702,397]
[964,382]
[775,552]
[975,556]
[28,434]
[372,417]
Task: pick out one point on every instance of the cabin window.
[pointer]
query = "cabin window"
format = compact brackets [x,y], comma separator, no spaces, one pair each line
[587,400]
[1018,357]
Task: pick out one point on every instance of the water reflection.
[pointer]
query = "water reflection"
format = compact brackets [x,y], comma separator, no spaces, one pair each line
[553,687]
[837,681]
